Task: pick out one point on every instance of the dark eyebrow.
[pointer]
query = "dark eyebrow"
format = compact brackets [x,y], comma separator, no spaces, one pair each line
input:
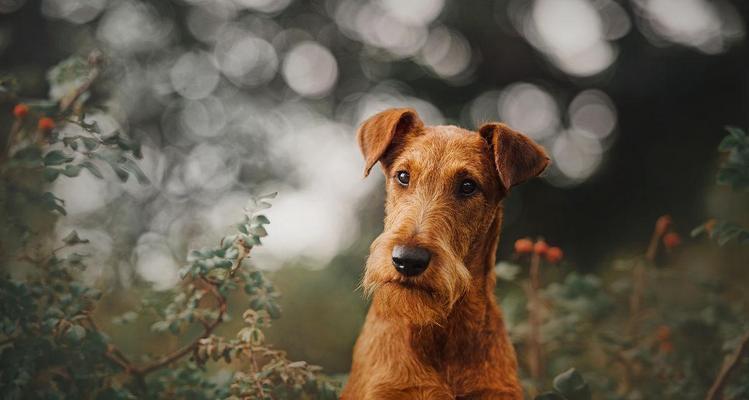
[468,172]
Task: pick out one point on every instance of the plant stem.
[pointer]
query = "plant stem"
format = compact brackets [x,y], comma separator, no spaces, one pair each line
[534,318]
[179,353]
[66,103]
[638,282]
[716,390]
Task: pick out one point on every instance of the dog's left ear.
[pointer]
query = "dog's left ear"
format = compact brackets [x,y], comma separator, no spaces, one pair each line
[516,156]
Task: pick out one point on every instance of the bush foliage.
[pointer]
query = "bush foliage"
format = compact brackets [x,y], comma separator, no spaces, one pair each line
[53,346]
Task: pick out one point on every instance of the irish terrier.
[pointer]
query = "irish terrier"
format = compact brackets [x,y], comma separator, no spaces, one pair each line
[434,330]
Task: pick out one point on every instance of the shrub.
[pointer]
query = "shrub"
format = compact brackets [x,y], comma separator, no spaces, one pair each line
[53,346]
[649,329]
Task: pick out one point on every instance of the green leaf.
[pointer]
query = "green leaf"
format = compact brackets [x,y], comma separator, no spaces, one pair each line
[56,157]
[121,173]
[92,168]
[72,238]
[160,326]
[130,166]
[572,385]
[260,220]
[71,170]
[258,231]
[267,196]
[243,228]
[698,231]
[50,174]
[273,310]
[52,202]
[736,132]
[89,143]
[31,154]
[75,334]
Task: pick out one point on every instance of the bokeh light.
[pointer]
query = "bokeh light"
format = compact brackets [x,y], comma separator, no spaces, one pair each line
[240,96]
[310,69]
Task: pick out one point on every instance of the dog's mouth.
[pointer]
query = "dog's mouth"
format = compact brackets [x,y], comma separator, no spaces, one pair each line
[410,285]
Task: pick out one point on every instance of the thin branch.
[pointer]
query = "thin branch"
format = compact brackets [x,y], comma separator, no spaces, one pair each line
[716,390]
[638,280]
[94,60]
[256,369]
[188,348]
[534,311]
[17,124]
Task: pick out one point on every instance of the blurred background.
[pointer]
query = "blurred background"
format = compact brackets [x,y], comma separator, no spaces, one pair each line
[233,97]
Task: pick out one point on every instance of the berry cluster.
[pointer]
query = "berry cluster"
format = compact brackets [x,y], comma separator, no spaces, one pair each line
[526,246]
[664,229]
[45,124]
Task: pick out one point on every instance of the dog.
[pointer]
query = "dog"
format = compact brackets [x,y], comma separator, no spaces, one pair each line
[434,330]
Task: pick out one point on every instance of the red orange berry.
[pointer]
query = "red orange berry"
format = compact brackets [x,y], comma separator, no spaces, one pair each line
[523,246]
[710,225]
[662,224]
[663,333]
[666,347]
[671,240]
[540,247]
[46,124]
[554,255]
[20,110]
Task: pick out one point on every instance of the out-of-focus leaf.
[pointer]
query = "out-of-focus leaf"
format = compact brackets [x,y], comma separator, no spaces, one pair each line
[130,166]
[75,333]
[258,231]
[89,143]
[56,157]
[72,238]
[71,170]
[572,385]
[29,155]
[260,219]
[50,174]
[92,168]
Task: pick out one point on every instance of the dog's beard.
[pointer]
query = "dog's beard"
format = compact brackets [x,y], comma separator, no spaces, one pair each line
[423,300]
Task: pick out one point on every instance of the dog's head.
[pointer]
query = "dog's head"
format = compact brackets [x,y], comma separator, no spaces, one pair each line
[444,187]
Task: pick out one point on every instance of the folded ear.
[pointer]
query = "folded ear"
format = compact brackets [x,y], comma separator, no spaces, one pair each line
[383,131]
[517,157]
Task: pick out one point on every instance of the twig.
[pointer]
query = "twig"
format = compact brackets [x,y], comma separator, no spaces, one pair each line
[184,350]
[534,317]
[256,369]
[638,280]
[716,390]
[14,129]
[94,60]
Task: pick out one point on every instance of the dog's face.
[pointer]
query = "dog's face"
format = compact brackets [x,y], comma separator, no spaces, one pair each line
[444,187]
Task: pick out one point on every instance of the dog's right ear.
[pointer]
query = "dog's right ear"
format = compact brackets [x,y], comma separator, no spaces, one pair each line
[385,131]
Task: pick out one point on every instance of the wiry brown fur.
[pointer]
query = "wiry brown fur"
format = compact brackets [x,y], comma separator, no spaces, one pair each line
[439,335]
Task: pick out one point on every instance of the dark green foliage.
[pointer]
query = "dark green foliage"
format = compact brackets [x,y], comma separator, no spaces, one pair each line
[568,385]
[52,346]
[733,172]
[673,344]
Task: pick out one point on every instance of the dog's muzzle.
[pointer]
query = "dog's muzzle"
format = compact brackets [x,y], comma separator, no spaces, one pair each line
[410,261]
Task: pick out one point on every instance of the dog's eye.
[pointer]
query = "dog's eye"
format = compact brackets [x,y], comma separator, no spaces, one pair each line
[403,177]
[467,187]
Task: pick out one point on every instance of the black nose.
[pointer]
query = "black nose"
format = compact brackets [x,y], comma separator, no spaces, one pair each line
[410,261]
